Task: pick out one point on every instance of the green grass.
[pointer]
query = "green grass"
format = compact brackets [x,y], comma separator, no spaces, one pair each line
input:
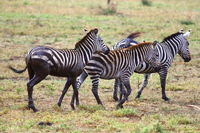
[60,24]
[187,22]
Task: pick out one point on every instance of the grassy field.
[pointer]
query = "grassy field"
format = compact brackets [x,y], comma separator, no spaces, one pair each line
[59,24]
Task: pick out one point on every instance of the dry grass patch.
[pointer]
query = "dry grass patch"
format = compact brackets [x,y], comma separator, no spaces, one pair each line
[60,24]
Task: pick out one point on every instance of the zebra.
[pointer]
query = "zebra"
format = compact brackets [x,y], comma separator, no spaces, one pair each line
[119,64]
[42,61]
[168,48]
[124,43]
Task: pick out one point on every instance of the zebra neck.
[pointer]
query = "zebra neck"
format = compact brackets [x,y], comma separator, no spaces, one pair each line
[140,54]
[172,46]
[85,52]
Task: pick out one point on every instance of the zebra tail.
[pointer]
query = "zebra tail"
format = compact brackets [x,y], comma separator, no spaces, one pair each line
[17,71]
[134,35]
[27,62]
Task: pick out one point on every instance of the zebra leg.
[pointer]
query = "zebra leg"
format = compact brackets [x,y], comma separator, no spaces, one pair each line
[78,84]
[144,84]
[128,87]
[31,83]
[81,79]
[66,87]
[115,89]
[122,90]
[95,91]
[75,94]
[163,76]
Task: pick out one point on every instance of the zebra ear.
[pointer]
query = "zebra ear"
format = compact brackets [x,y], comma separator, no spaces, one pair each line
[86,31]
[181,31]
[95,30]
[154,43]
[187,33]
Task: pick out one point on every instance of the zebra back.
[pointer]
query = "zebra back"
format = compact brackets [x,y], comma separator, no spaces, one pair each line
[63,61]
[120,63]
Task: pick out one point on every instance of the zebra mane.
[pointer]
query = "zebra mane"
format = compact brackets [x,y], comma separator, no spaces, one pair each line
[80,41]
[134,35]
[171,36]
[137,45]
[128,48]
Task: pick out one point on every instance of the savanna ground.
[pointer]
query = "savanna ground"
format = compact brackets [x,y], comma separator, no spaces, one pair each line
[59,24]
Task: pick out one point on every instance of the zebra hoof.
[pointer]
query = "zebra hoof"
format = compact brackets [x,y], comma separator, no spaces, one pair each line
[59,104]
[138,96]
[166,98]
[120,106]
[72,106]
[33,108]
[116,99]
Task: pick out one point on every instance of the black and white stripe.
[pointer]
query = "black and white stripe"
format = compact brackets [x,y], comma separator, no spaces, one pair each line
[127,42]
[120,64]
[42,61]
[168,48]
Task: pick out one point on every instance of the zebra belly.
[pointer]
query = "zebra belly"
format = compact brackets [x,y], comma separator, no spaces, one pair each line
[144,68]
[44,65]
[107,77]
[115,74]
[66,72]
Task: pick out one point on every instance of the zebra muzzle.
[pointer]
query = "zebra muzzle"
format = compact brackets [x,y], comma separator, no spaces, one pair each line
[187,59]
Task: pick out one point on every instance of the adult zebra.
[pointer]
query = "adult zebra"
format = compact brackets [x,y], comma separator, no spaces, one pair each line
[168,48]
[42,61]
[120,64]
[124,43]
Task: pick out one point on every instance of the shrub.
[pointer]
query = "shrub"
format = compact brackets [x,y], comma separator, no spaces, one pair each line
[187,22]
[110,10]
[146,2]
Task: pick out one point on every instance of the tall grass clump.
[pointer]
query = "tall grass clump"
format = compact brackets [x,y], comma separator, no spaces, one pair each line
[111,9]
[186,22]
[146,3]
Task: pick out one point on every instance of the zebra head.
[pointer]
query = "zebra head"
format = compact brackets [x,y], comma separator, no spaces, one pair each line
[153,57]
[184,49]
[100,45]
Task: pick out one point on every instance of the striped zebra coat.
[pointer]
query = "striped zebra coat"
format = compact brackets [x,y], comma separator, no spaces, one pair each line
[127,42]
[42,61]
[168,48]
[120,64]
